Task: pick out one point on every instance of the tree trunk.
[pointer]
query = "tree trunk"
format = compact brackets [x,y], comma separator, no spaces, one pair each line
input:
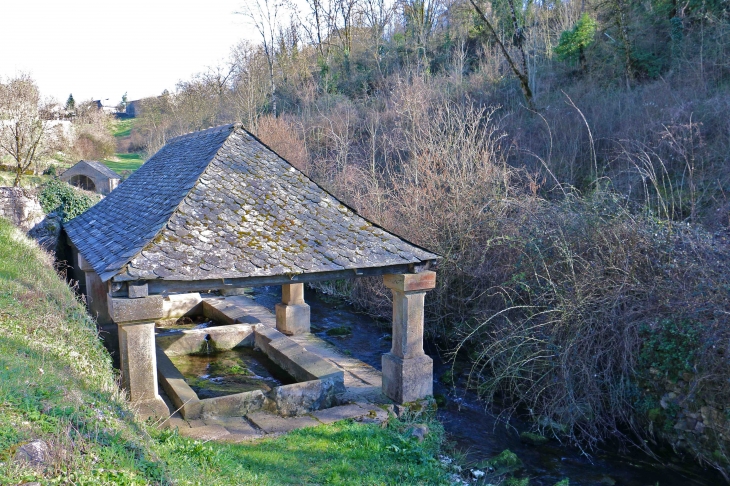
[522,76]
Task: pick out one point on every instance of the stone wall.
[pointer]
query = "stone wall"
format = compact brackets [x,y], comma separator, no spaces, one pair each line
[21,207]
[692,418]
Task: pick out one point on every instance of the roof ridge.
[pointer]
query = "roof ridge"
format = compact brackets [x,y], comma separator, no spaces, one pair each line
[207,131]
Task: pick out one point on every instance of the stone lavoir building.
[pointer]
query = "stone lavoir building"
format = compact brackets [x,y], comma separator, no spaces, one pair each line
[91,175]
[218,210]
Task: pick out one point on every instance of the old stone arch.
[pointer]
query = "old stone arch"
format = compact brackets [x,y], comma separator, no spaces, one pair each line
[83,182]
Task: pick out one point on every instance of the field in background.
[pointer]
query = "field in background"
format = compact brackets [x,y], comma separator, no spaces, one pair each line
[121,161]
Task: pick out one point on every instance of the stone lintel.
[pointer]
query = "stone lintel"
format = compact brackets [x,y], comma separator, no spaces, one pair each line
[137,291]
[410,282]
[148,308]
[179,305]
[83,264]
[406,380]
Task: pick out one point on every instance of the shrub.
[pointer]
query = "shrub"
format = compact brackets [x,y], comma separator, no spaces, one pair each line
[56,195]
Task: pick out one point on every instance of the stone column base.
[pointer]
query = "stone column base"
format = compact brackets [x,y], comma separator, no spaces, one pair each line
[154,409]
[407,380]
[292,318]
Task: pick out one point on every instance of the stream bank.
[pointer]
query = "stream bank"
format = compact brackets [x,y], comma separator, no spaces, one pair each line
[474,433]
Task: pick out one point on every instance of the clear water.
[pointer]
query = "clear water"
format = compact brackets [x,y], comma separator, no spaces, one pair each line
[227,372]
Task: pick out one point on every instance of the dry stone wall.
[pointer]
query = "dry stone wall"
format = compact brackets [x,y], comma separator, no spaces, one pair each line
[21,207]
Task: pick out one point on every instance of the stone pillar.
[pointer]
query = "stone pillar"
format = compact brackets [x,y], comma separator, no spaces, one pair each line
[292,315]
[137,355]
[407,370]
[96,293]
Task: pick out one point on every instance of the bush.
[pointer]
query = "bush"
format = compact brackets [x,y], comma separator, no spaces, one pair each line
[56,195]
[584,298]
[93,147]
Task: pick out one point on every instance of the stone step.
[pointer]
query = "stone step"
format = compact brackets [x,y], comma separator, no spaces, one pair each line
[275,424]
[206,432]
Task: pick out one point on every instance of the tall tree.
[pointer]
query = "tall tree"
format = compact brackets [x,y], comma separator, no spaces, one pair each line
[518,39]
[265,18]
[25,134]
[70,103]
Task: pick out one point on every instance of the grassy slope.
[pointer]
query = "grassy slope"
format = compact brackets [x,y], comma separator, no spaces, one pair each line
[57,384]
[126,161]
[123,162]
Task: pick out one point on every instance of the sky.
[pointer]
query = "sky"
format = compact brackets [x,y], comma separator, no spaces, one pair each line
[100,49]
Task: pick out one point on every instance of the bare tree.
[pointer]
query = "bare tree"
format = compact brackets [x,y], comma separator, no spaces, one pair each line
[521,72]
[265,18]
[249,91]
[26,134]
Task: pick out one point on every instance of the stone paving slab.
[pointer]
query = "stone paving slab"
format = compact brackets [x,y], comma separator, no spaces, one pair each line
[238,438]
[234,425]
[275,424]
[342,412]
[174,422]
[206,432]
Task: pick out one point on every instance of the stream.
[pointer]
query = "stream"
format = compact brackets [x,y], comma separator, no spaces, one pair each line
[475,433]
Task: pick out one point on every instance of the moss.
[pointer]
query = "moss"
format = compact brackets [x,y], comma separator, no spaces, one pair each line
[339,331]
[506,462]
[655,414]
[534,439]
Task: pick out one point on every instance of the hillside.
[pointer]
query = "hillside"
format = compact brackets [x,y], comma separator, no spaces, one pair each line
[569,161]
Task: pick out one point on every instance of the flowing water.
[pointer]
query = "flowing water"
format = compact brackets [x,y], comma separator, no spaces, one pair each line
[477,434]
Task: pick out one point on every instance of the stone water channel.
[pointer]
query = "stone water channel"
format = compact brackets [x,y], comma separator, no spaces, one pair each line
[477,434]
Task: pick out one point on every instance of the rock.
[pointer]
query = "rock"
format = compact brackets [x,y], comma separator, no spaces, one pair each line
[21,207]
[608,481]
[35,452]
[419,431]
[533,439]
[397,410]
[690,423]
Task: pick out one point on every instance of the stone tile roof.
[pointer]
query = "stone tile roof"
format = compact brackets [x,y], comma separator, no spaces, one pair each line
[79,168]
[102,168]
[220,204]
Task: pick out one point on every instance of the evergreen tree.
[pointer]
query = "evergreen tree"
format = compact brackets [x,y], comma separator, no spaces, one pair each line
[573,42]
[70,103]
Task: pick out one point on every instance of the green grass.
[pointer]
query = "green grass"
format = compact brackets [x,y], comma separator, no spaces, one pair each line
[122,128]
[27,181]
[129,162]
[57,384]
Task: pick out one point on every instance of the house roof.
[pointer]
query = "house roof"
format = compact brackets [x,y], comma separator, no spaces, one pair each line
[81,168]
[219,204]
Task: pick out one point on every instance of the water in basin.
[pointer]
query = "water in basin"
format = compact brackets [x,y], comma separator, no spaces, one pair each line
[227,372]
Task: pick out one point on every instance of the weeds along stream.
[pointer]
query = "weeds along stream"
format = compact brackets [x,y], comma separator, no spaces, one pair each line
[476,435]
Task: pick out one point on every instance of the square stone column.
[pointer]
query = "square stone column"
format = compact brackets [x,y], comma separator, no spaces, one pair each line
[407,370]
[137,354]
[292,315]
